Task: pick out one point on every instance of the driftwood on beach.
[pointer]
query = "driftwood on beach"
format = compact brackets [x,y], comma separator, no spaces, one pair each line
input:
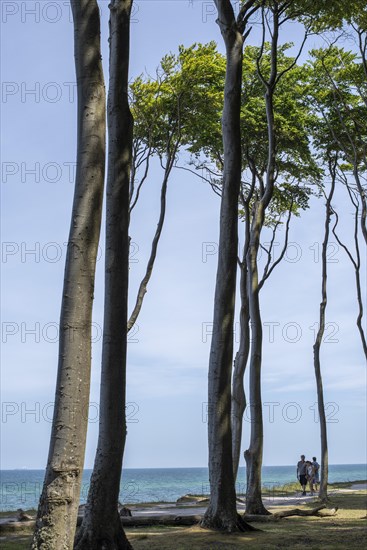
[292,512]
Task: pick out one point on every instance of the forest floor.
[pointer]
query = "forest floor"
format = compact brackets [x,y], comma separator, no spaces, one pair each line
[347,529]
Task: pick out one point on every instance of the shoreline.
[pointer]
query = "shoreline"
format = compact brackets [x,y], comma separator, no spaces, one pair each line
[198,503]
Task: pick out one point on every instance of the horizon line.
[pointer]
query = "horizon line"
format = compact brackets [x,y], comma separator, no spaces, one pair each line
[186,467]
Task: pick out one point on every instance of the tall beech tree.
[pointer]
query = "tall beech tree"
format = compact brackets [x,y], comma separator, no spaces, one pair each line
[200,72]
[295,169]
[58,507]
[319,17]
[342,109]
[332,164]
[356,257]
[161,108]
[222,513]
[101,527]
[342,104]
[274,15]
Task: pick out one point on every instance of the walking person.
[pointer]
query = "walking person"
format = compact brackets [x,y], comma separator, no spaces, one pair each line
[310,475]
[301,474]
[316,466]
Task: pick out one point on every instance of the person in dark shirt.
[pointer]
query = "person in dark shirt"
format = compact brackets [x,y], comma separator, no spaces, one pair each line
[302,474]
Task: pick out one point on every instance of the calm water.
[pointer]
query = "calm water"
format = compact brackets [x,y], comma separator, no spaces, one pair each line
[21,488]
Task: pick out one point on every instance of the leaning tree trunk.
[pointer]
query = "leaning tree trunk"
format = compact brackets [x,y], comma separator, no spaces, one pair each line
[101,527]
[254,453]
[318,341]
[222,513]
[58,508]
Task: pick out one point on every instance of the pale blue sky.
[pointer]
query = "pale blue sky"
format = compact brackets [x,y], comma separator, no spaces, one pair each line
[168,362]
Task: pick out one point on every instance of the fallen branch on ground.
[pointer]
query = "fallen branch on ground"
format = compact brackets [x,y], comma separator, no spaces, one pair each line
[293,512]
[167,519]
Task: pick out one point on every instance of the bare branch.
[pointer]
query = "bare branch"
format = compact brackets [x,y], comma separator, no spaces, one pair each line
[268,272]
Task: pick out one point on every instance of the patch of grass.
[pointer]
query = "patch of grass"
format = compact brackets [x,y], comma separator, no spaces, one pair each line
[345,530]
[14,543]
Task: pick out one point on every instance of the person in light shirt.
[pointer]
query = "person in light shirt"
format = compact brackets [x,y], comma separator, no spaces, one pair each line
[310,475]
[316,466]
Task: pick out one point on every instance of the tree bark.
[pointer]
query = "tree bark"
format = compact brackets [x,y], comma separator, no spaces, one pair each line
[254,453]
[318,341]
[238,401]
[101,527]
[238,398]
[58,507]
[222,513]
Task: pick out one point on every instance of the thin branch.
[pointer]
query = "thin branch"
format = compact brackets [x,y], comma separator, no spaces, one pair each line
[215,187]
[346,249]
[143,179]
[267,274]
[261,50]
[282,73]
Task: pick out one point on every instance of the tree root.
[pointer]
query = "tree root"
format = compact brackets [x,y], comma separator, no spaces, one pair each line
[217,523]
[104,539]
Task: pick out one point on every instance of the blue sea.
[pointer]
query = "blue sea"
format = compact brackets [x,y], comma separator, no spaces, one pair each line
[22,488]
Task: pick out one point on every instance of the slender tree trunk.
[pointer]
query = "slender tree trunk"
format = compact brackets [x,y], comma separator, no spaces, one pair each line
[318,342]
[58,507]
[150,265]
[362,194]
[254,453]
[240,363]
[222,513]
[101,527]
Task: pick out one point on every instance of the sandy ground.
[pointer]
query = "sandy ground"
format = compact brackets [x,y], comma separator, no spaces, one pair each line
[187,510]
[359,487]
[269,501]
